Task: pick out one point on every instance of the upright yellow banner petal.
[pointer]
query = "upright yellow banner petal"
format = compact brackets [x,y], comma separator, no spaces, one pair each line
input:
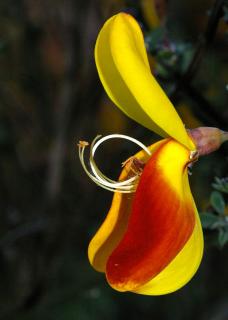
[113,83]
[124,70]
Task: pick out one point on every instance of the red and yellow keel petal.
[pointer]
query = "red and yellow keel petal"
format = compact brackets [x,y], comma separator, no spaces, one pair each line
[114,226]
[181,269]
[163,227]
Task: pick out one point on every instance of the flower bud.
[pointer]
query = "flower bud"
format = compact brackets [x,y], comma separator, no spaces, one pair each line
[207,139]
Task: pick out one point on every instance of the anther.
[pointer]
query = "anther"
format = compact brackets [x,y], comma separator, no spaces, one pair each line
[82,144]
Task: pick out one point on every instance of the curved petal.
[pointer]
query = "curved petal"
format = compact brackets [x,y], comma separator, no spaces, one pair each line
[112,230]
[161,223]
[182,268]
[124,71]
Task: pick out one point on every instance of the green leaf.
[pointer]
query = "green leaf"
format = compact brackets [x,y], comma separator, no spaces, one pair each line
[221,184]
[208,220]
[223,237]
[185,54]
[165,54]
[154,39]
[217,202]
[162,71]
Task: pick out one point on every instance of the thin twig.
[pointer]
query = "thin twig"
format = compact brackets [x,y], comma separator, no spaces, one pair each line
[205,41]
[183,82]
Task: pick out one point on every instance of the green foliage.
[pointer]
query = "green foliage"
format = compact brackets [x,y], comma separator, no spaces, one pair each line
[223,235]
[208,220]
[154,40]
[217,202]
[172,57]
[215,219]
[221,184]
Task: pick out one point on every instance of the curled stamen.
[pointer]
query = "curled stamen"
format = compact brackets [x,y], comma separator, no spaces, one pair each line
[126,186]
[100,176]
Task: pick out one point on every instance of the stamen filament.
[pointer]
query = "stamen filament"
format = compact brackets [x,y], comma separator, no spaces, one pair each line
[95,169]
[126,186]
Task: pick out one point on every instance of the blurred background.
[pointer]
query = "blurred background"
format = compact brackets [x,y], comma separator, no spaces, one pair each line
[50,98]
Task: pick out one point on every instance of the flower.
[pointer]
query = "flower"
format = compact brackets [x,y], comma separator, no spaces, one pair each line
[151,241]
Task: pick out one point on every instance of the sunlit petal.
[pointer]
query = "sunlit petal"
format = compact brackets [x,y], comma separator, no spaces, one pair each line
[162,221]
[124,70]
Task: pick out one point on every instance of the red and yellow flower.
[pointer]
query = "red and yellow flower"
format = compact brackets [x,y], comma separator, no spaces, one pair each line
[151,241]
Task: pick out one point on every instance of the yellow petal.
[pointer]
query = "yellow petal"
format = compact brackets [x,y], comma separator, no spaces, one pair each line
[114,225]
[124,71]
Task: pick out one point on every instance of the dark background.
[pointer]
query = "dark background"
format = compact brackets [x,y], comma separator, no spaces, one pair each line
[51,97]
